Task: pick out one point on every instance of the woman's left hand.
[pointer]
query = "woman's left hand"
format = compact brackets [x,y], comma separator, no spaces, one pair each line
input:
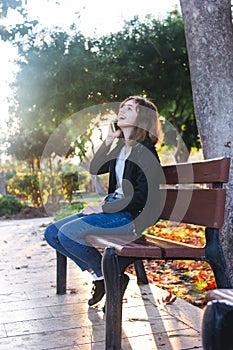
[92,209]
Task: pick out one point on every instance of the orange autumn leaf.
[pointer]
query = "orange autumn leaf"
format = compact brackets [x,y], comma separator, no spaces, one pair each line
[187,279]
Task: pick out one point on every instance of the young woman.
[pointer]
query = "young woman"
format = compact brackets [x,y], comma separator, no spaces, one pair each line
[133,202]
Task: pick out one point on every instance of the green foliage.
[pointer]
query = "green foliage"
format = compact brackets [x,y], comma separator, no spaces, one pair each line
[9,4]
[25,187]
[28,145]
[9,205]
[9,33]
[63,73]
[158,68]
[70,183]
[67,210]
[51,187]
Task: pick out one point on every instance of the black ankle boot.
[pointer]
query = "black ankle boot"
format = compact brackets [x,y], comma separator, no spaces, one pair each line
[124,284]
[98,291]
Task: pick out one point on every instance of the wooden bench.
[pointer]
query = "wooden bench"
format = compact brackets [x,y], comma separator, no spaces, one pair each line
[195,195]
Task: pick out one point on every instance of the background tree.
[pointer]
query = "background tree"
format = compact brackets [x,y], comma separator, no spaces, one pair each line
[209,36]
[48,88]
[26,187]
[150,58]
[61,74]
[9,4]
[70,183]
[10,32]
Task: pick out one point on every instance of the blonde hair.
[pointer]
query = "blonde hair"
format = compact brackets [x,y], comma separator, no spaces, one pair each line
[148,122]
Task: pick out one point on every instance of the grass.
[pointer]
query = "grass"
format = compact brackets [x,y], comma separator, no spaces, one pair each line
[77,205]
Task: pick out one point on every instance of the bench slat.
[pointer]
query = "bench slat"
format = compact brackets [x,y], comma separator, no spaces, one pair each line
[171,249]
[125,247]
[207,171]
[148,246]
[200,207]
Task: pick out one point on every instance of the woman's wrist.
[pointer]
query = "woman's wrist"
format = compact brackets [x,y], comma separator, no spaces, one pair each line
[109,141]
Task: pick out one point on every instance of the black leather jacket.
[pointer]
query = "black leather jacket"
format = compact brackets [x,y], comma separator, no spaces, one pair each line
[141,178]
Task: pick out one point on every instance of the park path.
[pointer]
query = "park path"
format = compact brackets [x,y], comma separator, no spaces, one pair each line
[33,317]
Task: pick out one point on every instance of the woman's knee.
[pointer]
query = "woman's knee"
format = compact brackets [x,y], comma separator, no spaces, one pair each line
[51,233]
[65,241]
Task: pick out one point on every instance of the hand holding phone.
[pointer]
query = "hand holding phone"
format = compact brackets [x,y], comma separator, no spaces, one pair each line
[115,127]
[113,132]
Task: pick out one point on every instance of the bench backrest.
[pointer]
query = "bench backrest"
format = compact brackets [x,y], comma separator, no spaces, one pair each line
[197,195]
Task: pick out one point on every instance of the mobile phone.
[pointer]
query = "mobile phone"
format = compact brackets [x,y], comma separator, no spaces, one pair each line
[115,127]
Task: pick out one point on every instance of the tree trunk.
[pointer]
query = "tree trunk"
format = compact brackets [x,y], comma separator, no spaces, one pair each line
[94,178]
[182,152]
[2,183]
[209,39]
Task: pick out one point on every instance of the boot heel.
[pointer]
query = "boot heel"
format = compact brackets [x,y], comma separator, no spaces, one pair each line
[98,291]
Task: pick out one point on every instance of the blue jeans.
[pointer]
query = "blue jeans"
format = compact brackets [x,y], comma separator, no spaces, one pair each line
[67,236]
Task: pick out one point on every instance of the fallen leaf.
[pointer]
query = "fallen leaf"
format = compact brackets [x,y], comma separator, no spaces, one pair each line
[73,291]
[21,267]
[169,299]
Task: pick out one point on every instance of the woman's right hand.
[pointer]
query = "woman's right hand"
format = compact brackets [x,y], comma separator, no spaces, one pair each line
[112,134]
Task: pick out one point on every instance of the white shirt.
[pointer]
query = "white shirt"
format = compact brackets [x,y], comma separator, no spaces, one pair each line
[120,166]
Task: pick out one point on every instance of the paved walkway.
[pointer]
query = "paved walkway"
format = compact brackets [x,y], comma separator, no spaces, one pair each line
[33,317]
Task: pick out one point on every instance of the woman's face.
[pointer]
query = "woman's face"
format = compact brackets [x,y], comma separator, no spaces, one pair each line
[127,114]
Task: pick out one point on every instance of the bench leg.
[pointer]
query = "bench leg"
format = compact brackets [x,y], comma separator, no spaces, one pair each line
[140,272]
[217,326]
[61,273]
[216,259]
[113,322]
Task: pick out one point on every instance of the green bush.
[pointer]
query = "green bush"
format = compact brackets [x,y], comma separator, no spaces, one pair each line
[68,209]
[9,205]
[26,187]
[70,183]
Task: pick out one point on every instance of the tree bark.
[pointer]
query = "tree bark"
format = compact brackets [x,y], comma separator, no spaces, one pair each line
[209,39]
[2,183]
